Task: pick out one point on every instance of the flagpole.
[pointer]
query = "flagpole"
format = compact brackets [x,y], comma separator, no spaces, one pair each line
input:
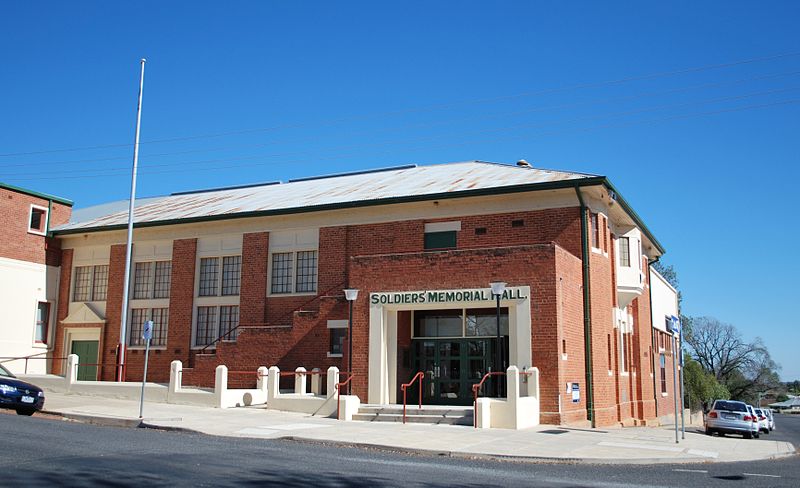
[128,245]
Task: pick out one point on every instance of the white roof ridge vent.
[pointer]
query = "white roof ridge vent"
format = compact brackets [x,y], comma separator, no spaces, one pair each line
[523,164]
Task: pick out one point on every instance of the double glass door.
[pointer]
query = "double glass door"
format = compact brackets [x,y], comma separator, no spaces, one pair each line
[452,366]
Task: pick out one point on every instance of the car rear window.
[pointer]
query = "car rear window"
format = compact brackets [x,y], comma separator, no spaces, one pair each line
[730,406]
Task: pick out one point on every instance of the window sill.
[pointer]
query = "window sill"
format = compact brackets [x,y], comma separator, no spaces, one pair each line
[142,348]
[37,232]
[303,294]
[334,355]
[610,373]
[664,394]
[563,357]
[624,373]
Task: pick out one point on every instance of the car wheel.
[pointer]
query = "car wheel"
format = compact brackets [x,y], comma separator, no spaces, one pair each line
[25,411]
[756,435]
[747,435]
[709,431]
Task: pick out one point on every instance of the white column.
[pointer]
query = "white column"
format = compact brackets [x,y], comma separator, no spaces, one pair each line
[262,383]
[333,378]
[300,381]
[221,385]
[377,375]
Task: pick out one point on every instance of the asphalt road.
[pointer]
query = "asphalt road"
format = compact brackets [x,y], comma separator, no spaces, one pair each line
[39,451]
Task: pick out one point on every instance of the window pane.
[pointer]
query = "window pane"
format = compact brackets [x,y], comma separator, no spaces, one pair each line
[624,251]
[306,271]
[228,321]
[83,284]
[595,236]
[438,323]
[37,219]
[138,316]
[337,340]
[440,240]
[142,281]
[160,318]
[282,272]
[42,319]
[231,274]
[208,277]
[100,284]
[205,332]
[163,277]
[483,322]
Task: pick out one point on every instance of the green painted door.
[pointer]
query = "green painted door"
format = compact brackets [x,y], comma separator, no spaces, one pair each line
[87,355]
[451,367]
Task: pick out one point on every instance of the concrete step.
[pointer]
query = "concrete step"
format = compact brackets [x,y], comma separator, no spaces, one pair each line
[428,414]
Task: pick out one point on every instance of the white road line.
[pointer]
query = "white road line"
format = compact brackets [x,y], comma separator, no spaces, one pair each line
[764,475]
[691,470]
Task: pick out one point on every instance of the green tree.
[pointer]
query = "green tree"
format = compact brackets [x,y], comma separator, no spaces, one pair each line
[701,386]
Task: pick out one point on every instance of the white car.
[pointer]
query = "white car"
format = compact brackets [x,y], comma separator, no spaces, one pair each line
[771,418]
[763,421]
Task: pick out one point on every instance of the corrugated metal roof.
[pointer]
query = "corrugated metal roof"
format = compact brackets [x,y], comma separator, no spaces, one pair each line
[330,190]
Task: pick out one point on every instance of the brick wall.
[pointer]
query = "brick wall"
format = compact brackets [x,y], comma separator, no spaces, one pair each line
[17,242]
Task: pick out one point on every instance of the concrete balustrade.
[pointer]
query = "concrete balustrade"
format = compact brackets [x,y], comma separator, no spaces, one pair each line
[519,410]
[312,403]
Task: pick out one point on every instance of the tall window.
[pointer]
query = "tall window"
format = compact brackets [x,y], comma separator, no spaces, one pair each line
[337,330]
[152,280]
[663,363]
[91,283]
[595,230]
[215,283]
[160,318]
[624,251]
[294,272]
[42,322]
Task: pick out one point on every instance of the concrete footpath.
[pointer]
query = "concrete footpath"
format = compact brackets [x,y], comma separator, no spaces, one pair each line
[639,445]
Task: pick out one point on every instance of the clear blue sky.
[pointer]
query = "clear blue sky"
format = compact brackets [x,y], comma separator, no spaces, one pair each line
[708,157]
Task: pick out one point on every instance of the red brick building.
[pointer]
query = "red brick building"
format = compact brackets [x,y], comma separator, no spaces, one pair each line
[254,275]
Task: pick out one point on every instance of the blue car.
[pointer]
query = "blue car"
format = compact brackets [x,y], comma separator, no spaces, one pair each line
[19,395]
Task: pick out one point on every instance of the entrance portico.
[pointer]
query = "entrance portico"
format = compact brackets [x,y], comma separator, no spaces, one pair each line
[383,330]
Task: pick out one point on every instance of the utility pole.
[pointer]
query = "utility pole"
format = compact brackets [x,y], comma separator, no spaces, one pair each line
[129,243]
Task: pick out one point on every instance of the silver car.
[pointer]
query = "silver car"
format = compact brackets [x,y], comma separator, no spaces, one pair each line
[731,417]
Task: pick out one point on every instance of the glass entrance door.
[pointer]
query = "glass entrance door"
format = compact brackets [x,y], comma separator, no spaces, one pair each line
[452,366]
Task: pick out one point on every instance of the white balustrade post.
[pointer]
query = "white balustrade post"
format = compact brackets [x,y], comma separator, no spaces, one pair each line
[274,383]
[175,379]
[315,381]
[333,378]
[533,382]
[262,383]
[300,381]
[72,370]
[221,385]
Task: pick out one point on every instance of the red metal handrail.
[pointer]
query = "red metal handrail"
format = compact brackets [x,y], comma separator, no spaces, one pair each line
[475,389]
[405,386]
[338,387]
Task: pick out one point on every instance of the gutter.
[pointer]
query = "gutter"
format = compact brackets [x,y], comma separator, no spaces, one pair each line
[587,311]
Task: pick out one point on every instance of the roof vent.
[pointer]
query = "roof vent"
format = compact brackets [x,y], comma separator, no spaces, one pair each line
[523,164]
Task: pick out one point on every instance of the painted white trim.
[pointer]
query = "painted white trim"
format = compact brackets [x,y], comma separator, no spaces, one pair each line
[338,324]
[44,223]
[443,226]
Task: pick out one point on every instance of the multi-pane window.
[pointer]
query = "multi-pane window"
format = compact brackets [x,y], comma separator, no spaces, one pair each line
[231,275]
[282,272]
[160,318]
[216,323]
[228,321]
[294,272]
[91,283]
[213,282]
[595,230]
[42,322]
[208,277]
[663,363]
[152,280]
[338,336]
[624,251]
